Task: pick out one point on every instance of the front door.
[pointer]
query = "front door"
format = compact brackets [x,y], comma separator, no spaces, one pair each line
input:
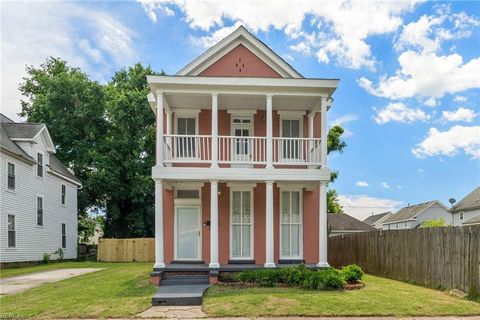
[242,144]
[187,233]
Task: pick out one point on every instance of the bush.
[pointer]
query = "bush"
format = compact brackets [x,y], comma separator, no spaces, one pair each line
[352,273]
[294,276]
[46,258]
[323,279]
[59,253]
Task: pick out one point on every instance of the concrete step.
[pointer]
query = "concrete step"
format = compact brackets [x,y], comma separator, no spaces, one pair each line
[184,281]
[175,276]
[179,295]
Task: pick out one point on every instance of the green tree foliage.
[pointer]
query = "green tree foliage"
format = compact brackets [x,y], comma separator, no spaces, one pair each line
[440,222]
[334,144]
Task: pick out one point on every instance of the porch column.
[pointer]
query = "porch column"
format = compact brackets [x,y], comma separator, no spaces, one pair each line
[214,130]
[159,261]
[323,131]
[269,239]
[310,154]
[159,136]
[323,227]
[169,140]
[269,132]
[214,225]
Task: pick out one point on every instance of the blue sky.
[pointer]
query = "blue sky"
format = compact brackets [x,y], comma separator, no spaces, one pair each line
[410,74]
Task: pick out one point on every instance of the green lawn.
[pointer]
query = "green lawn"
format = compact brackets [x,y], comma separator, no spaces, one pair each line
[380,297]
[121,290]
[5,273]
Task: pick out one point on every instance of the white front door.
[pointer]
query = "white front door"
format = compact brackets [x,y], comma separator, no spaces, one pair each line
[187,233]
[242,145]
[241,225]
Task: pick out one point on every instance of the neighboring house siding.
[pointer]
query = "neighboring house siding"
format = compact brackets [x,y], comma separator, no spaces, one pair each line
[434,212]
[467,215]
[379,223]
[32,241]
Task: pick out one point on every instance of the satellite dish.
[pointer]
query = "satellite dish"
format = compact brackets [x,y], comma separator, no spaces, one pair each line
[452,201]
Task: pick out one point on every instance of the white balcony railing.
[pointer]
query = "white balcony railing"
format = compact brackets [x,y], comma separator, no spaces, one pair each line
[241,150]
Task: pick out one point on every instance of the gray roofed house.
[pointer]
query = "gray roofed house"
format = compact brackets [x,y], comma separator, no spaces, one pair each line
[467,210]
[376,220]
[412,216]
[342,223]
[56,166]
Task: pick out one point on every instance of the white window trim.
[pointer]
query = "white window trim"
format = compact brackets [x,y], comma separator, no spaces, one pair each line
[300,208]
[43,165]
[175,224]
[61,195]
[36,211]
[185,201]
[61,235]
[16,238]
[14,173]
[290,115]
[185,114]
[252,222]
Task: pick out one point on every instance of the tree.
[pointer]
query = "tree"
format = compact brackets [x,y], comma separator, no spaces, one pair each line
[440,222]
[334,144]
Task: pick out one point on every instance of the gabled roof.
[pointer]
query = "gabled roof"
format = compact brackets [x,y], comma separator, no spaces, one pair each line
[342,221]
[409,212]
[469,202]
[374,218]
[28,131]
[6,144]
[240,37]
[474,220]
[56,166]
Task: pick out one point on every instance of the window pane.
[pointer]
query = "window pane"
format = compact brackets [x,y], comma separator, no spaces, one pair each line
[11,223]
[295,217]
[285,217]
[285,244]
[246,207]
[191,126]
[182,126]
[64,236]
[294,128]
[188,194]
[295,240]
[246,241]
[39,203]
[39,165]
[236,241]
[236,206]
[286,128]
[11,168]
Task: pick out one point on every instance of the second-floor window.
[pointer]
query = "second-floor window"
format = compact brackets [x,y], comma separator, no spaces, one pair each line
[64,194]
[11,176]
[39,165]
[290,148]
[461,215]
[186,146]
[39,211]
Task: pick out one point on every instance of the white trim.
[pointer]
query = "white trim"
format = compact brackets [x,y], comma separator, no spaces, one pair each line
[36,211]
[186,185]
[7,247]
[14,174]
[292,114]
[175,224]
[292,117]
[238,188]
[237,37]
[185,112]
[236,185]
[63,177]
[185,115]
[300,208]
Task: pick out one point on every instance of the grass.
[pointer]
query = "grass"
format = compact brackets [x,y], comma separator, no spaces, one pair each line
[380,297]
[120,290]
[19,271]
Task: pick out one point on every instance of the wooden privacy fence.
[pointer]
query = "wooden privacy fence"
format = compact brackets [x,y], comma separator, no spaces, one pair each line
[126,250]
[447,257]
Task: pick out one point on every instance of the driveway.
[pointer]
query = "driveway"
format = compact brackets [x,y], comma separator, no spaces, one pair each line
[21,283]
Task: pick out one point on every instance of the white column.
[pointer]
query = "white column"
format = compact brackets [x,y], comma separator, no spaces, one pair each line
[323,131]
[214,225]
[269,239]
[169,140]
[169,122]
[323,227]
[159,136]
[214,131]
[310,154]
[269,132]
[159,262]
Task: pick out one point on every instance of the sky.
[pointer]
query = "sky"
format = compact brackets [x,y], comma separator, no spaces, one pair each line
[409,73]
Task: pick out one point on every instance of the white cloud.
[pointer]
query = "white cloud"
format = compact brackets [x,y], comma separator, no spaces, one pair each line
[460,99]
[450,142]
[212,39]
[399,112]
[362,206]
[385,185]
[343,121]
[92,40]
[426,75]
[361,184]
[341,27]
[399,187]
[461,114]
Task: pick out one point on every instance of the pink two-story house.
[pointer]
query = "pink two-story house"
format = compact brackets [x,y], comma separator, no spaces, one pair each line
[241,160]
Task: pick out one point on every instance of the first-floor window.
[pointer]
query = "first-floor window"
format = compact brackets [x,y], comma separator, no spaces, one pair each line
[64,193]
[241,224]
[11,176]
[64,235]
[11,231]
[290,225]
[39,211]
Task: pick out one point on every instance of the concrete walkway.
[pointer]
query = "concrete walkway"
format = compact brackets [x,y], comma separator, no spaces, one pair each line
[18,284]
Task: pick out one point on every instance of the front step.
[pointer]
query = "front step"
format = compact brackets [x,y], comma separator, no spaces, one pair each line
[181,289]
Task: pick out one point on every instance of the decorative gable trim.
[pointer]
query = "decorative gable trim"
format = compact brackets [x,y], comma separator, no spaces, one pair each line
[240,37]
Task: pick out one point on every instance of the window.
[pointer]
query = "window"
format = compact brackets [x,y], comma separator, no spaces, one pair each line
[188,194]
[396,225]
[64,193]
[290,147]
[12,237]
[405,224]
[39,211]
[11,176]
[39,165]
[186,146]
[241,225]
[64,235]
[290,225]
[461,215]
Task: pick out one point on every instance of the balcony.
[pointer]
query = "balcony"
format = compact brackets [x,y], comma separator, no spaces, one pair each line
[234,150]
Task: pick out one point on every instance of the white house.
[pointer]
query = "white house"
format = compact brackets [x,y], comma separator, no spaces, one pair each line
[412,216]
[467,211]
[376,220]
[38,203]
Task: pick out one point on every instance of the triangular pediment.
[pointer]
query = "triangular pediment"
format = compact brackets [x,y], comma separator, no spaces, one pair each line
[240,54]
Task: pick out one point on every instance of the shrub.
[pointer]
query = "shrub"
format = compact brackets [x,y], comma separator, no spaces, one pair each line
[59,253]
[46,258]
[323,279]
[246,276]
[352,273]
[294,276]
